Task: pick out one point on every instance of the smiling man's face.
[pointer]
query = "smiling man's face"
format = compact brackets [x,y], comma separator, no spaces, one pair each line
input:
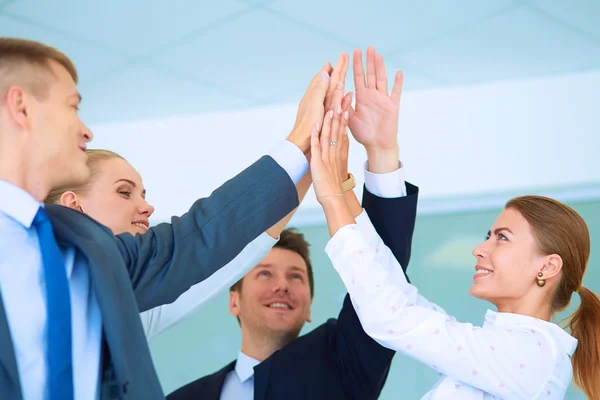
[274,298]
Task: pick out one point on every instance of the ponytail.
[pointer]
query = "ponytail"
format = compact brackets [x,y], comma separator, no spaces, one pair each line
[584,325]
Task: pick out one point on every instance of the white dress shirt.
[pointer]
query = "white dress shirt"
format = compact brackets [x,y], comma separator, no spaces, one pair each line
[161,318]
[23,291]
[239,383]
[511,357]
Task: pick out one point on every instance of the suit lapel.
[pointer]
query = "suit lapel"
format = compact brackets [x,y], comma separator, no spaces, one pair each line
[72,228]
[261,379]
[7,355]
[213,385]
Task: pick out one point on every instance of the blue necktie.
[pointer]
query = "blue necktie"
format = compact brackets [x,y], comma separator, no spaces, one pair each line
[58,307]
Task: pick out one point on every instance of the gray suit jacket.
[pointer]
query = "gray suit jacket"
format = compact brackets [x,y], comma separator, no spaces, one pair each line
[131,274]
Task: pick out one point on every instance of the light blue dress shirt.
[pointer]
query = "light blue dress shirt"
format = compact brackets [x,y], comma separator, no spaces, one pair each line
[23,290]
[23,293]
[239,383]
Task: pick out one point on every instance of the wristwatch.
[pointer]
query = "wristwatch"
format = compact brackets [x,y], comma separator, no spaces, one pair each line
[349,183]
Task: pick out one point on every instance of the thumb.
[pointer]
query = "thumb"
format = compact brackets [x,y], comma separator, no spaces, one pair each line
[351,112]
[319,86]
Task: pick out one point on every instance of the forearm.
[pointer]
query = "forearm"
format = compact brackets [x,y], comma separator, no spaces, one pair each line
[337,213]
[302,188]
[170,258]
[353,203]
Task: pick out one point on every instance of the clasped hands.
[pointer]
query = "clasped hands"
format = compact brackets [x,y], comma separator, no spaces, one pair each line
[324,114]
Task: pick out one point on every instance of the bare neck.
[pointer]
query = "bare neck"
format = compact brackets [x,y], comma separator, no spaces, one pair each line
[260,345]
[17,168]
[535,306]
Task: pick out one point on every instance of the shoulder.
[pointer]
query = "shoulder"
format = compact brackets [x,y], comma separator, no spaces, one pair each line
[203,385]
[71,216]
[322,336]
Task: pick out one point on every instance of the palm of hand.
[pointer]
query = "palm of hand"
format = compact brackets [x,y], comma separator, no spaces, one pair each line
[375,121]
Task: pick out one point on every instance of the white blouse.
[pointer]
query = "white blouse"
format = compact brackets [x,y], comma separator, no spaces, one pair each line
[511,356]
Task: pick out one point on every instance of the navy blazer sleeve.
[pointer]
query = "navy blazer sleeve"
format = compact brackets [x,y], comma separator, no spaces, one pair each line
[168,259]
[365,363]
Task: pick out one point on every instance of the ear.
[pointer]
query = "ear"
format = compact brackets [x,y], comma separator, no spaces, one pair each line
[234,303]
[70,199]
[17,105]
[552,266]
[309,317]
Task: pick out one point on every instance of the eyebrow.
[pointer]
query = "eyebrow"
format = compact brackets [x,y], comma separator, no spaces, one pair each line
[132,183]
[498,230]
[293,267]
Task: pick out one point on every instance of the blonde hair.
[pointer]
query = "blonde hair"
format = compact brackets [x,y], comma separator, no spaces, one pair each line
[95,158]
[27,63]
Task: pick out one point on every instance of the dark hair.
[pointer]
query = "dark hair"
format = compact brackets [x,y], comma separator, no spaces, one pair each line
[293,241]
[558,229]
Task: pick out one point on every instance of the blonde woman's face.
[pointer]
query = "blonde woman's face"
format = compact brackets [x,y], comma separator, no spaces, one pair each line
[117,198]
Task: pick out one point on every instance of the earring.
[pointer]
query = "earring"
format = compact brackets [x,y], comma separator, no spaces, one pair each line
[540,282]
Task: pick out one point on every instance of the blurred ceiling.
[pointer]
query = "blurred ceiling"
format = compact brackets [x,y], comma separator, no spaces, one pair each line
[141,59]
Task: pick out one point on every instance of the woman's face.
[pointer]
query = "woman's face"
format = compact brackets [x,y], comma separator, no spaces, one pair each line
[116,198]
[508,262]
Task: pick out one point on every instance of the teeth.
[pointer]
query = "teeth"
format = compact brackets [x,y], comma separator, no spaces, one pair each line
[279,305]
[140,225]
[482,272]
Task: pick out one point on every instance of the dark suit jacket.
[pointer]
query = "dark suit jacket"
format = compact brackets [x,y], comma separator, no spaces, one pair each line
[133,274]
[337,360]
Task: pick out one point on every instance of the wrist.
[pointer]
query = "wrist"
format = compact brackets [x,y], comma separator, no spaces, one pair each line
[383,160]
[329,202]
[300,142]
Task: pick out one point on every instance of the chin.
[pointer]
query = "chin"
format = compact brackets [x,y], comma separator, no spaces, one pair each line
[136,229]
[80,174]
[477,291]
[286,328]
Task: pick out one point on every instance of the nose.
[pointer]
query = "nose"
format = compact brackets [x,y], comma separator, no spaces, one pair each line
[146,209]
[282,285]
[482,250]
[87,134]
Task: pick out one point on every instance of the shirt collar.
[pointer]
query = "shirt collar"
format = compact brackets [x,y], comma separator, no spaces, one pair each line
[244,367]
[567,342]
[17,204]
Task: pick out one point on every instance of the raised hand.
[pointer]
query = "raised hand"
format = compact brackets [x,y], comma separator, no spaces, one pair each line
[326,167]
[311,109]
[344,141]
[337,82]
[334,96]
[327,161]
[374,121]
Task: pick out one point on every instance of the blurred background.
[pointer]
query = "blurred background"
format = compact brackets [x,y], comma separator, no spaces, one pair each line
[500,99]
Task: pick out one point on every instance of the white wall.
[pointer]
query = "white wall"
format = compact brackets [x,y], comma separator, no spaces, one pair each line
[455,142]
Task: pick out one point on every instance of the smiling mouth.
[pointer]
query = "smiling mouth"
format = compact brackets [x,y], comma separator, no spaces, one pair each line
[482,272]
[280,306]
[140,224]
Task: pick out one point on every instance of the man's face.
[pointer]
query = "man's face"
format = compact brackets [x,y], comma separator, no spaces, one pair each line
[275,296]
[58,137]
